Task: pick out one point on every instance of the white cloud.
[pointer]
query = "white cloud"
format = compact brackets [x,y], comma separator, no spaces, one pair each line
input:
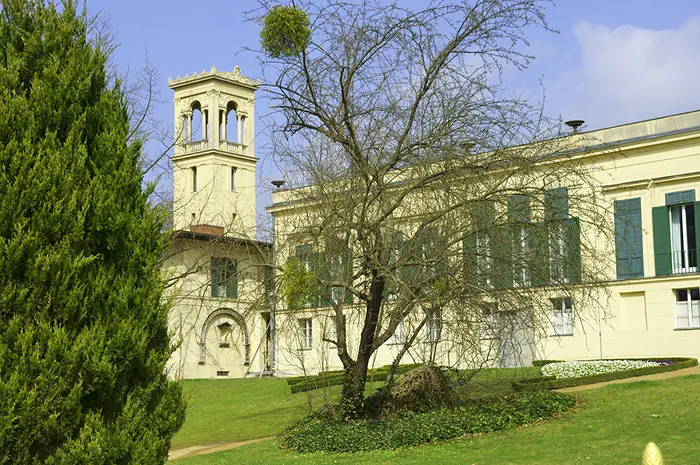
[628,74]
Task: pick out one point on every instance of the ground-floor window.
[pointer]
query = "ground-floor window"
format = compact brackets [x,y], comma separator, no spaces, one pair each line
[434,326]
[399,337]
[562,317]
[688,308]
[305,334]
[489,321]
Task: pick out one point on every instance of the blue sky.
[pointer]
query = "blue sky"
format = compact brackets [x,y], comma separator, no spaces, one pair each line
[613,62]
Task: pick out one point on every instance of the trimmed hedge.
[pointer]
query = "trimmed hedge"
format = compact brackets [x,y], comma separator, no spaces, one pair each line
[550,382]
[324,432]
[541,363]
[336,377]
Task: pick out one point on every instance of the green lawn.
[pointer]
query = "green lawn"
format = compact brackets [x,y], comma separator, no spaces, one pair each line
[612,427]
[242,409]
[221,410]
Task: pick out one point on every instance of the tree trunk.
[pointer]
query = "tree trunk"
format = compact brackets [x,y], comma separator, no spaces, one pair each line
[353,394]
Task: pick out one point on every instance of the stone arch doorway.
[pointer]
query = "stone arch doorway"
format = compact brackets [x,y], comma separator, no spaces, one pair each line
[224,343]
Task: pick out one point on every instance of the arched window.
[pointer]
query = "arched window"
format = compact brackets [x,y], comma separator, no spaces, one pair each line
[230,128]
[198,123]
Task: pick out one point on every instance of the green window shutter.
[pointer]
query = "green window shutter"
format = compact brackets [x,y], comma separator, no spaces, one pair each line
[292,304]
[697,228]
[469,270]
[303,253]
[502,271]
[572,263]
[538,254]
[556,204]
[409,249]
[628,239]
[487,239]
[662,241]
[519,208]
[324,261]
[432,250]
[231,280]
[321,272]
[679,198]
[308,259]
[214,277]
[518,216]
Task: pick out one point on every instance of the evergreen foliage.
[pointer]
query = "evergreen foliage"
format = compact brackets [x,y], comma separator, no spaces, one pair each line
[83,327]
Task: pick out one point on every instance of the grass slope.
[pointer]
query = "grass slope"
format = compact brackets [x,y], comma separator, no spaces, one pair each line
[231,410]
[613,426]
[221,410]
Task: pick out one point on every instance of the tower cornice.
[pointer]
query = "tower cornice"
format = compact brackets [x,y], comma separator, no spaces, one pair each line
[233,77]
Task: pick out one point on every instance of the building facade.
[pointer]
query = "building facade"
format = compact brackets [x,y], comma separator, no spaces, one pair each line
[216,268]
[647,178]
[229,323]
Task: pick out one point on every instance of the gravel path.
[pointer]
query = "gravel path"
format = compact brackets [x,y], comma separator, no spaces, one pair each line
[655,377]
[211,448]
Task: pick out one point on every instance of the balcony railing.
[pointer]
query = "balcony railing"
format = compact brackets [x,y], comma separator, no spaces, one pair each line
[196,146]
[232,147]
[684,261]
[225,145]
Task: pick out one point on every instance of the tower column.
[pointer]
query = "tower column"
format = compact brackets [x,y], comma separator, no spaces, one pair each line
[188,139]
[238,122]
[223,124]
[214,121]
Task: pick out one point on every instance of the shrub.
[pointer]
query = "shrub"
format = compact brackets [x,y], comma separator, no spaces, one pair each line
[328,433]
[551,382]
[422,389]
[285,31]
[541,363]
[336,377]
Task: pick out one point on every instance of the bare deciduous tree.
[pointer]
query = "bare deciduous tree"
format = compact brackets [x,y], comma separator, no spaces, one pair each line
[439,202]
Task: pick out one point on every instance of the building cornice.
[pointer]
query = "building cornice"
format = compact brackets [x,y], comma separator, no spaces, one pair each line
[216,152]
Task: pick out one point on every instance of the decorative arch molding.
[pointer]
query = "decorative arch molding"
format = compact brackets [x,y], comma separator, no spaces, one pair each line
[238,318]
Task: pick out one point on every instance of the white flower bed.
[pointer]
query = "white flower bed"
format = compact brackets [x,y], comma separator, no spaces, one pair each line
[577,369]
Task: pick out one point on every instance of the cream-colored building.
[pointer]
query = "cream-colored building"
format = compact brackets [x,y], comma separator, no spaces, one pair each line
[647,176]
[220,315]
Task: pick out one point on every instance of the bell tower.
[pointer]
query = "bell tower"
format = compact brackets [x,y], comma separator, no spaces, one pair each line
[214,153]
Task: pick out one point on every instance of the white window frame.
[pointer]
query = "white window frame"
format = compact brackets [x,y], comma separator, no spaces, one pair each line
[329,328]
[680,253]
[399,336]
[688,309]
[521,261]
[488,329]
[306,339]
[484,258]
[562,316]
[557,251]
[222,270]
[434,327]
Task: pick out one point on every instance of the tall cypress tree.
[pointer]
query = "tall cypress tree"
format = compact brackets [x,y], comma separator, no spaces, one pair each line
[83,326]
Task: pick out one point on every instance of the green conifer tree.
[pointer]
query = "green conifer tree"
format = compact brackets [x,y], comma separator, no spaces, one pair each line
[83,326]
